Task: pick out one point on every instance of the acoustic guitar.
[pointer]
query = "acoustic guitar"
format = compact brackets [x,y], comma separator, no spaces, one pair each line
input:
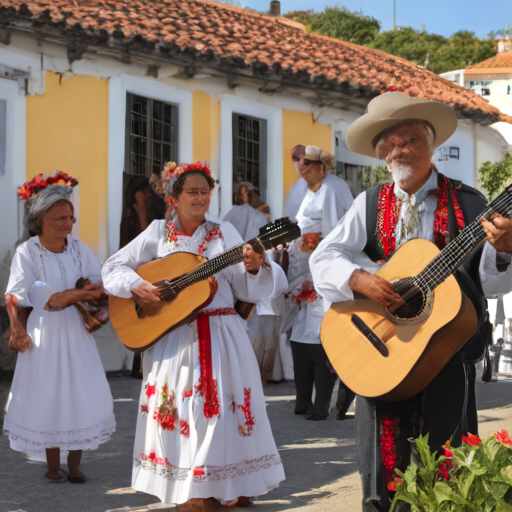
[185,284]
[394,356]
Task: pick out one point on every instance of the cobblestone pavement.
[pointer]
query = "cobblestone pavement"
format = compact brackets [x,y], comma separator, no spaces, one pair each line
[318,457]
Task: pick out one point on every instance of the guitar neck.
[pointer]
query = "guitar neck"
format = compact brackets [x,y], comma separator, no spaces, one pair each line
[210,267]
[456,252]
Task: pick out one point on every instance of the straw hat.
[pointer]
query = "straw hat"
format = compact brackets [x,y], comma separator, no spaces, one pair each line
[392,108]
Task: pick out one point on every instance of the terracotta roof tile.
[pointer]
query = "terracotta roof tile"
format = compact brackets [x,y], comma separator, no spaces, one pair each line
[227,38]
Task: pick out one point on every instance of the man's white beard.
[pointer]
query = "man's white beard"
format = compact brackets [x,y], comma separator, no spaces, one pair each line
[400,172]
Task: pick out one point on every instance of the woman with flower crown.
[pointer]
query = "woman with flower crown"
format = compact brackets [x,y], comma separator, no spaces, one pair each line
[60,400]
[202,428]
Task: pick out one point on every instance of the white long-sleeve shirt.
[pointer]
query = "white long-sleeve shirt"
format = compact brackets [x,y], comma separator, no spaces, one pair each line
[341,252]
[300,189]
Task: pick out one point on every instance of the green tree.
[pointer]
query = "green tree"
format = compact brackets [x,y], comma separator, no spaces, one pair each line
[409,44]
[340,23]
[494,177]
[434,52]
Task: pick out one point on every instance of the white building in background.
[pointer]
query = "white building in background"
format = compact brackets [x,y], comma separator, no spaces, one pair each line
[491,79]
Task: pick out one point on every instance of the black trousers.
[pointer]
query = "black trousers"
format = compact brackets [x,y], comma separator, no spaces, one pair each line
[445,409]
[310,365]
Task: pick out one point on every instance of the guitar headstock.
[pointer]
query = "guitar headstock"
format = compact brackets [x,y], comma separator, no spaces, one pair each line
[279,232]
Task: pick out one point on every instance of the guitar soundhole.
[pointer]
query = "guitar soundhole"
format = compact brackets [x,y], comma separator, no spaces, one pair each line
[416,299]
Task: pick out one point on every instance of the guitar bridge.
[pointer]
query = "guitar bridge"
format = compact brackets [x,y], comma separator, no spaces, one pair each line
[370,335]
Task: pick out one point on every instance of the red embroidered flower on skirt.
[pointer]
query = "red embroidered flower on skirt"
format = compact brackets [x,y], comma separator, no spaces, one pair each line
[199,471]
[187,393]
[150,390]
[166,413]
[184,428]
[144,409]
[247,428]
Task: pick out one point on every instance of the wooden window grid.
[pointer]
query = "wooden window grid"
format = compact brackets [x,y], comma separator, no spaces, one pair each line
[151,135]
[250,152]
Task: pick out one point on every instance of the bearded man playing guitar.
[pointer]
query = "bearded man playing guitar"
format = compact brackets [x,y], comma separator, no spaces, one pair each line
[420,204]
[202,428]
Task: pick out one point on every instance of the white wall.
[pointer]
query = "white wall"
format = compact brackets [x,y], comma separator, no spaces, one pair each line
[12,146]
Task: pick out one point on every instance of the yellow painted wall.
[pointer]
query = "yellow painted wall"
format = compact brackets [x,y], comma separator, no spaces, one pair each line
[202,129]
[67,129]
[299,128]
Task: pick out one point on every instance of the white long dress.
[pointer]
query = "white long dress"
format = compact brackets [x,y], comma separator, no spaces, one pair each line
[179,453]
[60,396]
[318,213]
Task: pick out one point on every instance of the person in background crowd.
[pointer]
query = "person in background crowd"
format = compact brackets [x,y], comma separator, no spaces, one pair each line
[246,219]
[318,214]
[256,202]
[299,189]
[202,427]
[142,206]
[497,349]
[262,325]
[60,397]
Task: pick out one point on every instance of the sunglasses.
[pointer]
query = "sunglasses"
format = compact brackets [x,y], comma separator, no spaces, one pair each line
[306,162]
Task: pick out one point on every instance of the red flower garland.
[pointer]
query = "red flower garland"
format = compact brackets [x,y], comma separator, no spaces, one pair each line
[389,430]
[387,220]
[31,188]
[172,236]
[166,413]
[388,210]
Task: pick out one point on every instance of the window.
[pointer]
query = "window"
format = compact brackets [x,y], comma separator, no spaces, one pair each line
[250,152]
[151,135]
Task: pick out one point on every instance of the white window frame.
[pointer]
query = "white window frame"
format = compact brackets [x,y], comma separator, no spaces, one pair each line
[274,118]
[118,87]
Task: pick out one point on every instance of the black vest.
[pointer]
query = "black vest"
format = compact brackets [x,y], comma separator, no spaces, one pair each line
[472,203]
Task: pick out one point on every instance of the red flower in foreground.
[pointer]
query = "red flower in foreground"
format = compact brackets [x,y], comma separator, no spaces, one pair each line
[391,486]
[471,440]
[503,437]
[447,453]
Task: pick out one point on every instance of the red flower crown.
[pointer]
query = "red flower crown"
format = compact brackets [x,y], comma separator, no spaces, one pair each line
[31,188]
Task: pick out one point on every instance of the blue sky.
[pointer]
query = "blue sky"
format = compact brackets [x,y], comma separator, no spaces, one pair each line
[439,16]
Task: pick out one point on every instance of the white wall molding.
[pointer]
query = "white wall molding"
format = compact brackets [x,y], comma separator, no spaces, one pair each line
[274,118]
[14,173]
[118,87]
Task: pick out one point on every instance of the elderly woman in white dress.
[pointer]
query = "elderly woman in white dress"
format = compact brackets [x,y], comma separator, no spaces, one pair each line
[202,428]
[319,212]
[60,398]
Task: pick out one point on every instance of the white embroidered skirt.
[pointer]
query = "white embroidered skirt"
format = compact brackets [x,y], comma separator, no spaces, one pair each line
[203,431]
[60,396]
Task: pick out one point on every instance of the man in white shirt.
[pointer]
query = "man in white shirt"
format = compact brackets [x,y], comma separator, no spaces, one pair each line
[404,132]
[300,188]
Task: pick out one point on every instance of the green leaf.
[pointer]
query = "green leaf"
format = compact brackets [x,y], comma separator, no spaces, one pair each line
[443,492]
[503,507]
[506,474]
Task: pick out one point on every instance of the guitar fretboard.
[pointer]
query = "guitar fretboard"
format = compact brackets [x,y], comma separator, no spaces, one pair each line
[211,267]
[455,253]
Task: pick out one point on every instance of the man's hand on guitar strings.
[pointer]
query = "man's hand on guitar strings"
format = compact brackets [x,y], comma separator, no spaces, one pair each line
[375,288]
[146,294]
[499,233]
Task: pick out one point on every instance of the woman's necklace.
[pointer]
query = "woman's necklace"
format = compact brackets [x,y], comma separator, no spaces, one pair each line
[172,234]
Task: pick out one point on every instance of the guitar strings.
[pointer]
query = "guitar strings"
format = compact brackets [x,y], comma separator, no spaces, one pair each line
[455,253]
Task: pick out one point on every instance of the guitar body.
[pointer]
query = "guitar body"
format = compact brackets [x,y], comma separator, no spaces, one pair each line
[139,334]
[416,351]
